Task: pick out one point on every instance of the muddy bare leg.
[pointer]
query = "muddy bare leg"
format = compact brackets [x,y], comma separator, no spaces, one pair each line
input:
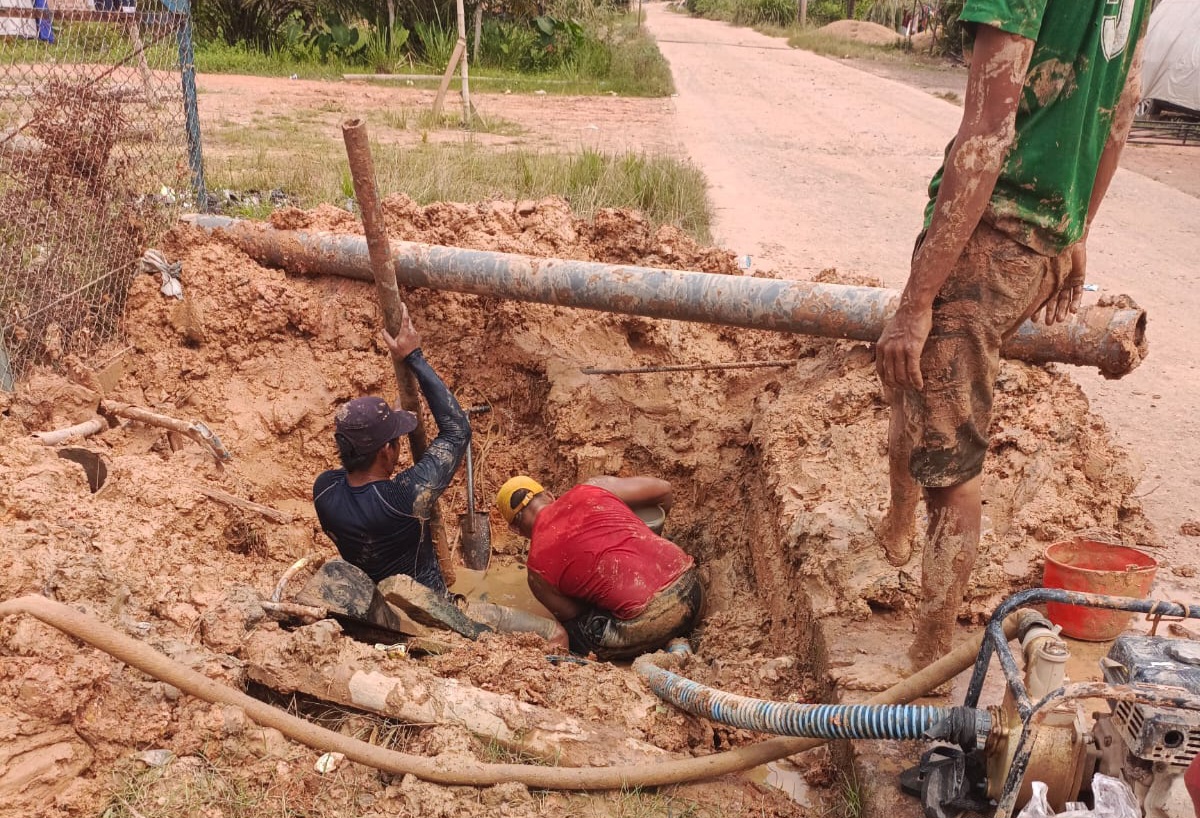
[951,546]
[898,531]
[504,619]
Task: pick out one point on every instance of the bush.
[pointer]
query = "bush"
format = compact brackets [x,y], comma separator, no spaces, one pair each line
[244,21]
[333,38]
[821,12]
[777,12]
[436,42]
[506,44]
[386,49]
[949,31]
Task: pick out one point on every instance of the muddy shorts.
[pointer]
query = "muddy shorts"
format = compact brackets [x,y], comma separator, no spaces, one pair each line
[673,612]
[996,285]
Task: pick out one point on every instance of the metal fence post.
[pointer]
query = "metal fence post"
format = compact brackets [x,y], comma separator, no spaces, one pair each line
[191,111]
[7,380]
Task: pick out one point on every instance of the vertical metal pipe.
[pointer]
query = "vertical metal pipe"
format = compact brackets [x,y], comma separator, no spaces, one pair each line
[191,111]
[362,170]
[7,381]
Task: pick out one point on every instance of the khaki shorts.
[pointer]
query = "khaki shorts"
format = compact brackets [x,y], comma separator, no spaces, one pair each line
[996,285]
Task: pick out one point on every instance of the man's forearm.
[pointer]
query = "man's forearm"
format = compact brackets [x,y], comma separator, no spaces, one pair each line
[975,160]
[967,183]
[433,472]
[450,418]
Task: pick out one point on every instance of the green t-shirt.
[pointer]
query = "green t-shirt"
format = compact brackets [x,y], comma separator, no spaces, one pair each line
[1081,57]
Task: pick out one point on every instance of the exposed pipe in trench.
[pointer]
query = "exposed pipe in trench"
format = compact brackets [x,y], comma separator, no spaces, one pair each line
[1111,338]
[456,772]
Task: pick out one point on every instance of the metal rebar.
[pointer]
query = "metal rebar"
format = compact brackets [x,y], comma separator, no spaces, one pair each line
[592,370]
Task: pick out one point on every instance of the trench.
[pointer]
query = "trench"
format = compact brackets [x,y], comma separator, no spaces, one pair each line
[728,512]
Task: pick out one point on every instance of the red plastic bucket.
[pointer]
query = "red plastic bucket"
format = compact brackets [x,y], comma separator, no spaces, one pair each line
[1096,568]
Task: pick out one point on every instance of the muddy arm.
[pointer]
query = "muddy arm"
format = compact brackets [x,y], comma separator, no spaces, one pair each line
[432,473]
[973,164]
[636,492]
[563,607]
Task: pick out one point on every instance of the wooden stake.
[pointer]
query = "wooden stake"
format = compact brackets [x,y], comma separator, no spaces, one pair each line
[466,81]
[455,56]
[245,505]
[478,30]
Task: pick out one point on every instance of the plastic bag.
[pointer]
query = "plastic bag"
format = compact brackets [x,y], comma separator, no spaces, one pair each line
[1113,798]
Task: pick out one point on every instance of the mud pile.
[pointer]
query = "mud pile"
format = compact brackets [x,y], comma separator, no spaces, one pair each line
[779,478]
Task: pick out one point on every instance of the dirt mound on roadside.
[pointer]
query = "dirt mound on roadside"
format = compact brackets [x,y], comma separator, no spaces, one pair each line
[779,475]
[860,31]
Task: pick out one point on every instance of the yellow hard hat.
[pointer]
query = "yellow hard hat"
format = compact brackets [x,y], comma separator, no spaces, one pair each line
[511,486]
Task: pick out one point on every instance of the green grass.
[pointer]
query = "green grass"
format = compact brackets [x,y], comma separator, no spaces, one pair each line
[827,45]
[313,170]
[451,117]
[220,58]
[623,60]
[638,803]
[848,800]
[86,42]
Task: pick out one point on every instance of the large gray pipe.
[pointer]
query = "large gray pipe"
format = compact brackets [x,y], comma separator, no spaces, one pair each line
[1113,339]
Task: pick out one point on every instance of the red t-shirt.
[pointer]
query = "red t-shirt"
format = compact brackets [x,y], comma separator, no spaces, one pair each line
[591,546]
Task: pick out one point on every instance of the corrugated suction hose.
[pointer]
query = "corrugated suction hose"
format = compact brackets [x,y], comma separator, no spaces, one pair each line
[457,772]
[901,722]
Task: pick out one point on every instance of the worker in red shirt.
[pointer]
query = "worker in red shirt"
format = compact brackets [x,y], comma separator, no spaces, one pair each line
[618,588]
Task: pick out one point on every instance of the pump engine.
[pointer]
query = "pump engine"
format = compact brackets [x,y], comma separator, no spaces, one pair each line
[1147,738]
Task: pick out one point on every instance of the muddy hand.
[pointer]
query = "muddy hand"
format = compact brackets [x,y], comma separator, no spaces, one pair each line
[407,338]
[898,353]
[1063,304]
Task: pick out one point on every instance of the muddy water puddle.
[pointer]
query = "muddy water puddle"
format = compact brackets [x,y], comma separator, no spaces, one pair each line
[499,584]
[785,777]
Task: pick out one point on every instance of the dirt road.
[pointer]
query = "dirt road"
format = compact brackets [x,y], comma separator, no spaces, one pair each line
[817,164]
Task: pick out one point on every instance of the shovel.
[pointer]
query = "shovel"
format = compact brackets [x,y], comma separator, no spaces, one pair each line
[475,541]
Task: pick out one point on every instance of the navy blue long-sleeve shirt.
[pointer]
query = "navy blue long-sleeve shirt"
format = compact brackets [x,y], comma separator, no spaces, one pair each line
[383,526]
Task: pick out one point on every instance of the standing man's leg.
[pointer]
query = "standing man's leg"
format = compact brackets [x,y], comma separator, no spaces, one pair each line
[996,285]
[898,531]
[951,546]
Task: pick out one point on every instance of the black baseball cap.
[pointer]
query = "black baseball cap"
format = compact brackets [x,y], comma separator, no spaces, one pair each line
[368,423]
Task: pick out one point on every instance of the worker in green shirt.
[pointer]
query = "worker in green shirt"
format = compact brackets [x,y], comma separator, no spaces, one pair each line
[1050,97]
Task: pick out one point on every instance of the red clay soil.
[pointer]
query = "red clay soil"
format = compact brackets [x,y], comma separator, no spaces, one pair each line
[779,479]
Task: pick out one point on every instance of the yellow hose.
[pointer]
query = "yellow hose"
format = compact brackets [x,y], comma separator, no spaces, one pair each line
[457,772]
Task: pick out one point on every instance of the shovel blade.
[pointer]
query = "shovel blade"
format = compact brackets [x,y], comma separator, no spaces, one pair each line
[475,542]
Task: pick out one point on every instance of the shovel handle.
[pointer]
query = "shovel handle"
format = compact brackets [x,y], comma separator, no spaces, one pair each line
[469,522]
[470,491]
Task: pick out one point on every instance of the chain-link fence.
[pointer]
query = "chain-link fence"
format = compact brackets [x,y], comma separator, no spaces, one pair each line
[99,149]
